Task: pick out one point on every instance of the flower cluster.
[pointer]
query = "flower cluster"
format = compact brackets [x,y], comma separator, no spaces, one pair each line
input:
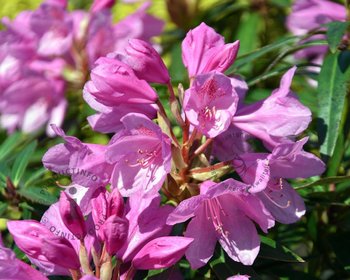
[311,15]
[44,53]
[144,158]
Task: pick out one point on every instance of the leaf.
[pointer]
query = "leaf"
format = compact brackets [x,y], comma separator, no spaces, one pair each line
[335,33]
[332,88]
[248,32]
[38,195]
[21,162]
[9,144]
[34,176]
[212,172]
[325,181]
[249,57]
[270,249]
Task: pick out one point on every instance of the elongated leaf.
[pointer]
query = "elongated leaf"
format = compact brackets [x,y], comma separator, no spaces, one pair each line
[34,176]
[9,144]
[21,162]
[270,249]
[335,33]
[332,88]
[325,181]
[249,57]
[38,195]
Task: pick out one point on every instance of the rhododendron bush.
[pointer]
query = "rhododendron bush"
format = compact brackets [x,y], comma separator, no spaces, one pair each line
[186,140]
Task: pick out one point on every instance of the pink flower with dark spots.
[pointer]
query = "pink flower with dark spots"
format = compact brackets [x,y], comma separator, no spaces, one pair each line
[210,103]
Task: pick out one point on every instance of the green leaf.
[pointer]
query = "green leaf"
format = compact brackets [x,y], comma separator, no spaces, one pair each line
[332,88]
[34,176]
[335,33]
[38,195]
[249,57]
[270,249]
[21,162]
[9,145]
[248,32]
[325,181]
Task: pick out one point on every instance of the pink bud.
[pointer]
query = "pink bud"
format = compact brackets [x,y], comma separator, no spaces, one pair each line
[115,204]
[161,252]
[72,216]
[145,61]
[40,243]
[99,211]
[99,5]
[114,232]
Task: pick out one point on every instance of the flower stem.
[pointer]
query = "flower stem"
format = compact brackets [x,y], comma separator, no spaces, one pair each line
[166,120]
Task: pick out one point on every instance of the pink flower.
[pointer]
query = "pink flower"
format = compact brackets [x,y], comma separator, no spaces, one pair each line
[204,50]
[309,15]
[39,243]
[147,221]
[139,25]
[145,61]
[72,216]
[276,117]
[99,5]
[210,103]
[222,212]
[265,173]
[141,154]
[114,91]
[43,102]
[12,268]
[53,29]
[84,162]
[161,252]
[114,233]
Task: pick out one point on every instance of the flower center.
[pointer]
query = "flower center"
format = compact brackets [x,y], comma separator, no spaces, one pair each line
[144,158]
[214,211]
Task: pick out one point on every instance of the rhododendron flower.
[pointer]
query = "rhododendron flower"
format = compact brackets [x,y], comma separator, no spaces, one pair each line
[264,173]
[85,162]
[114,91]
[280,115]
[39,46]
[147,221]
[145,61]
[222,212]
[309,15]
[210,103]
[204,50]
[141,155]
[36,107]
[12,268]
[40,243]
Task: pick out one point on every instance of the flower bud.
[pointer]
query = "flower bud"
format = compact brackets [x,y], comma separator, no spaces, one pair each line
[99,5]
[72,216]
[114,232]
[115,204]
[145,61]
[38,242]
